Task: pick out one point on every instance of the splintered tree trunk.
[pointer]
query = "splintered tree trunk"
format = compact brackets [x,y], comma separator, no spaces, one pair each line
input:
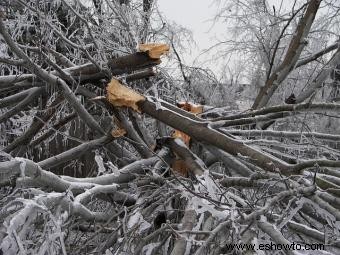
[180,165]
[203,131]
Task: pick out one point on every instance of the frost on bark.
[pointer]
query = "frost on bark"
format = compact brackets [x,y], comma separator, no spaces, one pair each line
[293,53]
[99,154]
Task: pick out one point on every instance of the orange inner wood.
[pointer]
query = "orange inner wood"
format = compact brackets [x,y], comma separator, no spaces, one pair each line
[179,165]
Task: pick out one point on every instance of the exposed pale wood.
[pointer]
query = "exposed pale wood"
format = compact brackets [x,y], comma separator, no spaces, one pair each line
[120,95]
[154,50]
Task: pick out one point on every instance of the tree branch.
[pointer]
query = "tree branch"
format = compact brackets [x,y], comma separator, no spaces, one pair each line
[295,48]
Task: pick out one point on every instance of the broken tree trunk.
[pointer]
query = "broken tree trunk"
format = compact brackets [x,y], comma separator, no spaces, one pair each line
[120,95]
[148,55]
[182,165]
[203,131]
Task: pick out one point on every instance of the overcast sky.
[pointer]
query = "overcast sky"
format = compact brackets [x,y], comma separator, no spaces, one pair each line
[195,15]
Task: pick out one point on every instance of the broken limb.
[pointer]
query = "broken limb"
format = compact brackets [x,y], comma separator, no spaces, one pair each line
[126,174]
[32,175]
[190,160]
[202,132]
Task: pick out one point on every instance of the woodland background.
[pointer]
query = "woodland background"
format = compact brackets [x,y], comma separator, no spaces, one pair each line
[110,144]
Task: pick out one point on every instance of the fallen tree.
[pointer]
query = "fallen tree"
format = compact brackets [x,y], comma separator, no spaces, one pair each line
[90,143]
